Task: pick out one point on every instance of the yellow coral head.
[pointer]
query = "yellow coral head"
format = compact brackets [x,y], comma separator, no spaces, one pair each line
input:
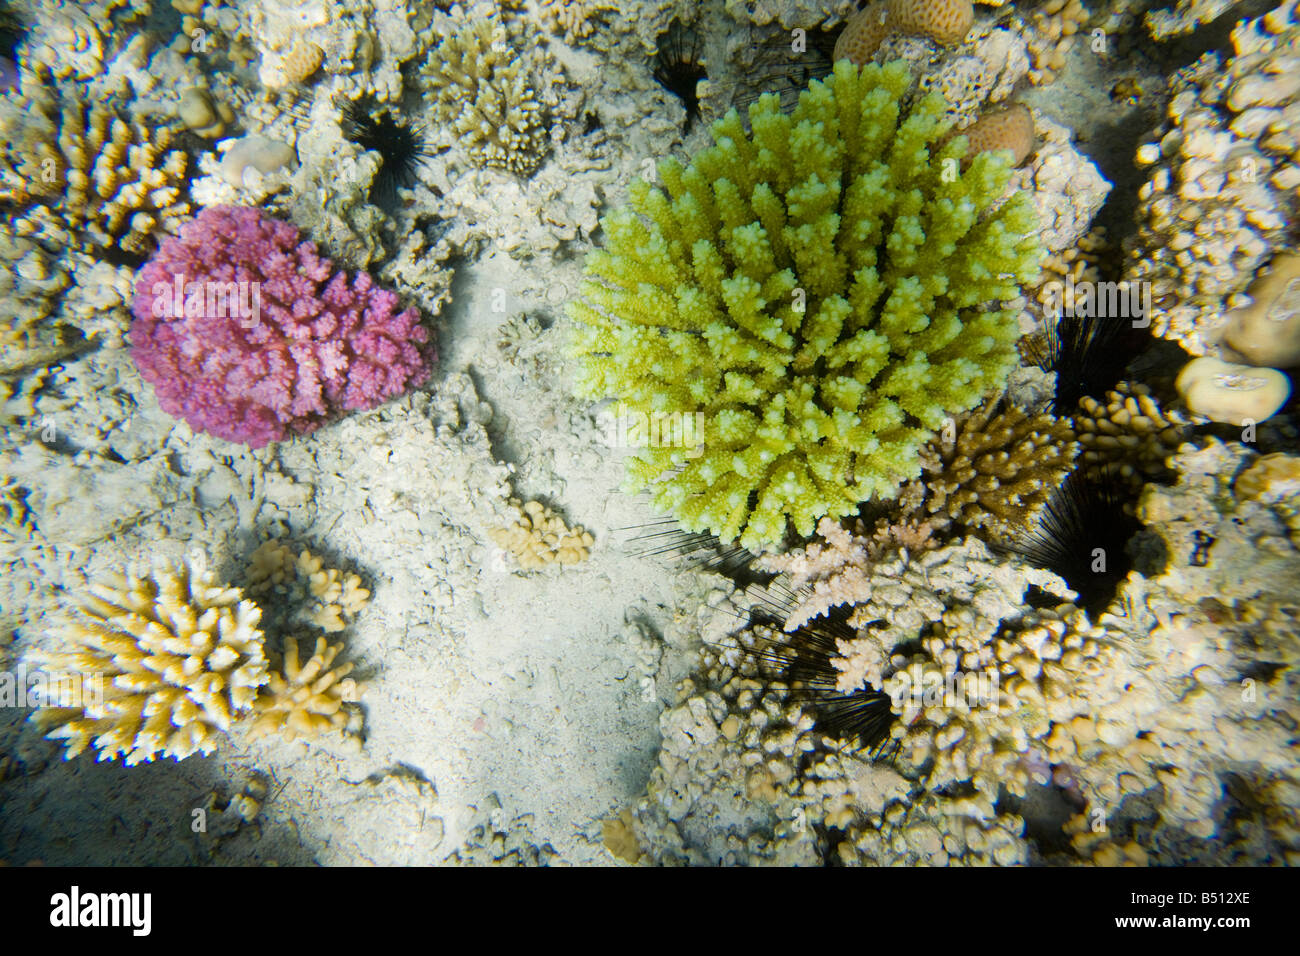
[822,291]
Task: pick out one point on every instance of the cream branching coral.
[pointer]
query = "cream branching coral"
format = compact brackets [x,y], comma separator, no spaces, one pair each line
[481,79]
[160,664]
[87,174]
[539,537]
[306,590]
[305,700]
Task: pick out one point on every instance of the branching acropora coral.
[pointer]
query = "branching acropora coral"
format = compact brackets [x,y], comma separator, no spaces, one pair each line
[87,174]
[305,700]
[307,590]
[483,94]
[163,663]
[821,294]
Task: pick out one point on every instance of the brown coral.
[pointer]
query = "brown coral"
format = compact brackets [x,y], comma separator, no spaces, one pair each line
[946,22]
[1129,434]
[997,473]
[1008,127]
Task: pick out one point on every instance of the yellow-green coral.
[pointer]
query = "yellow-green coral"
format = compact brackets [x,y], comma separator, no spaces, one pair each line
[823,293]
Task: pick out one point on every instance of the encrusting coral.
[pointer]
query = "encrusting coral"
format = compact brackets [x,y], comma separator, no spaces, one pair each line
[305,590]
[305,699]
[159,664]
[539,537]
[824,292]
[247,333]
[482,93]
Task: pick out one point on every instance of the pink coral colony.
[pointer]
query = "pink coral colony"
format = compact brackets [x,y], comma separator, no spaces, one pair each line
[246,333]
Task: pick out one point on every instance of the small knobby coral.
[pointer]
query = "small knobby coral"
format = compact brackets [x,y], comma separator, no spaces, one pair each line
[539,537]
[163,663]
[247,333]
[821,295]
[307,591]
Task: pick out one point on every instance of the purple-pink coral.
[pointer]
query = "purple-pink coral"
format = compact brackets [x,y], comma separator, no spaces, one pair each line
[246,333]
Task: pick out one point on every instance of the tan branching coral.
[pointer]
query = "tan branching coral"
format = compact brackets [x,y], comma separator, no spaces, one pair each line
[1129,434]
[575,18]
[87,174]
[538,537]
[163,663]
[997,473]
[305,700]
[482,88]
[307,591]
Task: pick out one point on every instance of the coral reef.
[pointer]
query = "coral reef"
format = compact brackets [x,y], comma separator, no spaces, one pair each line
[1223,181]
[538,537]
[159,664]
[482,92]
[306,592]
[819,346]
[247,333]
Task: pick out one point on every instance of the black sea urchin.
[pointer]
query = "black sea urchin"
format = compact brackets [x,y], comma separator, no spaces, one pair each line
[1081,536]
[678,68]
[402,147]
[1088,354]
[804,659]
